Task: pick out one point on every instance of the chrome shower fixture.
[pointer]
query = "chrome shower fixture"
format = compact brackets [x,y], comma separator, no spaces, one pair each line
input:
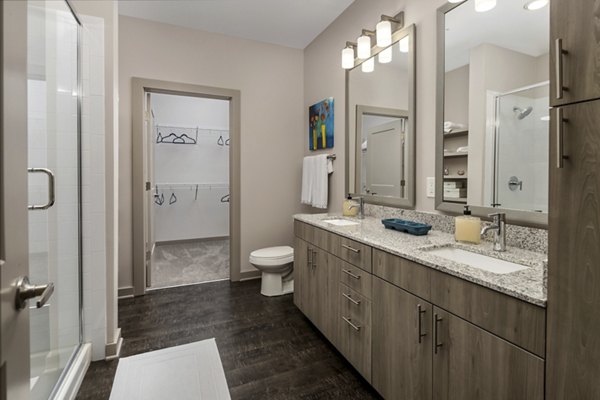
[522,112]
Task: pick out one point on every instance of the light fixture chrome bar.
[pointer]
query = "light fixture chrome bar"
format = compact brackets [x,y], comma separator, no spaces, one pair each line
[397,19]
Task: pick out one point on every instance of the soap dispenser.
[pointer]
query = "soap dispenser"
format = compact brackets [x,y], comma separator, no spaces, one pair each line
[467,228]
[350,207]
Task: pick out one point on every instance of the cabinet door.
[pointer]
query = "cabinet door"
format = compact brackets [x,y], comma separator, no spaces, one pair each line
[470,363]
[577,24]
[301,273]
[355,330]
[573,347]
[317,309]
[402,337]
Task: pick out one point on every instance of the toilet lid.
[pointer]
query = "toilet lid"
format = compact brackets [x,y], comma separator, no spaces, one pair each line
[283,253]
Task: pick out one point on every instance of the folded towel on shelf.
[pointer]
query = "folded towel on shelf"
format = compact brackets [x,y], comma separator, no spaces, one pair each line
[315,182]
[450,126]
[463,149]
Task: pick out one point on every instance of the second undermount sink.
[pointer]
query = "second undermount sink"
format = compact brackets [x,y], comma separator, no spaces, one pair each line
[341,222]
[479,261]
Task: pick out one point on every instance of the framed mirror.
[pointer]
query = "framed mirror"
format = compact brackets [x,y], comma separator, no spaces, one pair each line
[380,124]
[492,134]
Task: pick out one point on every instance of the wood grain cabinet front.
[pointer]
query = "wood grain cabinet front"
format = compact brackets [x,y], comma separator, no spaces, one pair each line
[355,330]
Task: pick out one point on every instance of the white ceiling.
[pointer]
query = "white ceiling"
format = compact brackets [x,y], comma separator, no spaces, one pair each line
[508,25]
[292,23]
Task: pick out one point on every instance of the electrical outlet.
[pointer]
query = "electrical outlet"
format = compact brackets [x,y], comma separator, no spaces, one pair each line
[430,186]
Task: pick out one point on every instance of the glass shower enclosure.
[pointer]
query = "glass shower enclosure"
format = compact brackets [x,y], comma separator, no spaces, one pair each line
[520,149]
[54,160]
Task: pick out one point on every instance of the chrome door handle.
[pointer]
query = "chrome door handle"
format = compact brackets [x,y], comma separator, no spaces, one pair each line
[351,274]
[420,312]
[349,322]
[559,52]
[436,330]
[351,248]
[355,302]
[51,195]
[560,146]
[26,291]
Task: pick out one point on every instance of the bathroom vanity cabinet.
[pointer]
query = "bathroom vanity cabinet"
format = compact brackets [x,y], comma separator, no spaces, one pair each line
[413,331]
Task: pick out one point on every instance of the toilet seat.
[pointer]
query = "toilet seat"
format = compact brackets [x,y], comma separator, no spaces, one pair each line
[272,256]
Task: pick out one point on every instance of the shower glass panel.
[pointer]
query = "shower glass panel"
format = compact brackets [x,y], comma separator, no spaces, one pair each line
[521,149]
[54,231]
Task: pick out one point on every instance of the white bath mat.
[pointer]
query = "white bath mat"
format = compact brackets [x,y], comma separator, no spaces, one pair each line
[191,371]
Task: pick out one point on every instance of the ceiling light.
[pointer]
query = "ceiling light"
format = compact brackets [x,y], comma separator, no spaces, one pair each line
[384,33]
[535,5]
[348,56]
[404,45]
[368,65]
[484,5]
[385,56]
[364,46]
[455,1]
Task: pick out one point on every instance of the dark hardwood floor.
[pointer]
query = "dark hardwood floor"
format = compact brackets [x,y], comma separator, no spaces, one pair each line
[268,348]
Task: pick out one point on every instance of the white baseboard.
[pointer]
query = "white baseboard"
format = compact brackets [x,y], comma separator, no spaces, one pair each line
[113,350]
[125,292]
[72,381]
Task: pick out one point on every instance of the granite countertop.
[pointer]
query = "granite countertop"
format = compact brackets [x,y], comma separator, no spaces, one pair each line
[528,284]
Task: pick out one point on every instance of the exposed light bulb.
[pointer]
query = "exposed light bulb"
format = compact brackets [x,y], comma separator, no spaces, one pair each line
[368,65]
[384,33]
[385,56]
[484,5]
[535,5]
[404,45]
[364,47]
[348,58]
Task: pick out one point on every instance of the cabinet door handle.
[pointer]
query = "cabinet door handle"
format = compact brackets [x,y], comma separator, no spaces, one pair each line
[347,272]
[420,312]
[560,146]
[314,259]
[349,322]
[559,53]
[352,249]
[356,302]
[436,329]
[308,258]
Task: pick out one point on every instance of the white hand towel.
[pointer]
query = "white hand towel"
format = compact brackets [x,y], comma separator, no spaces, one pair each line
[450,126]
[307,180]
[323,167]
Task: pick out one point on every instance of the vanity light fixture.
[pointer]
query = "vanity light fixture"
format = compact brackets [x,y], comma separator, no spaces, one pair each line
[484,5]
[404,45]
[385,56]
[455,1]
[348,55]
[384,28]
[534,5]
[364,44]
[368,65]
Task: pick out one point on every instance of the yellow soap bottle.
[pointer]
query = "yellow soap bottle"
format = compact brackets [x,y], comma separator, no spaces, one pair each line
[347,210]
[467,228]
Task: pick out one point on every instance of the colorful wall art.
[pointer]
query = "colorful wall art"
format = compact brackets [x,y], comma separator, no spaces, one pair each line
[320,123]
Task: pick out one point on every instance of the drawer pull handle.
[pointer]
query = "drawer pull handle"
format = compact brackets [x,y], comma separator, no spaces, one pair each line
[356,302]
[349,322]
[436,329]
[351,274]
[559,52]
[560,120]
[420,312]
[314,259]
[351,249]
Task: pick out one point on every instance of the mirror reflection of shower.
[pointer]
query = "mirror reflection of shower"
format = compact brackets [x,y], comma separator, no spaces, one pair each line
[518,145]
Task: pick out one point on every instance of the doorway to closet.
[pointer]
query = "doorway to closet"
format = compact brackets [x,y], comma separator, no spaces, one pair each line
[189,167]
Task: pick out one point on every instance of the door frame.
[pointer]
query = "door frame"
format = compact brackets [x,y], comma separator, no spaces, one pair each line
[140,87]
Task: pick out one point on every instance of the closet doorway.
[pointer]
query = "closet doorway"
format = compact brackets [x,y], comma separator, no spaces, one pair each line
[187,164]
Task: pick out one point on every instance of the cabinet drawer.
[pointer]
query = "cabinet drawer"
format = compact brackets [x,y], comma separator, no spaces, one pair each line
[514,320]
[408,275]
[351,251]
[356,279]
[355,330]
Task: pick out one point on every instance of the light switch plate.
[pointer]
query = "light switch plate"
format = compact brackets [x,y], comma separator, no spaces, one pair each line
[430,186]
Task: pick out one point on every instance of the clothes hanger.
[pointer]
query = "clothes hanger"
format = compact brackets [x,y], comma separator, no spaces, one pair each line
[173,198]
[220,141]
[227,142]
[225,199]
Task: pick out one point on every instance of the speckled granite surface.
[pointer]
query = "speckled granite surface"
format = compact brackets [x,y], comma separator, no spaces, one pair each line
[527,284]
[523,237]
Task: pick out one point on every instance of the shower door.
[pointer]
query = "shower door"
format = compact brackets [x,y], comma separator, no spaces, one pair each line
[53,120]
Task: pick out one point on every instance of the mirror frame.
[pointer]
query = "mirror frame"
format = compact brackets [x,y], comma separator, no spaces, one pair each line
[515,217]
[409,201]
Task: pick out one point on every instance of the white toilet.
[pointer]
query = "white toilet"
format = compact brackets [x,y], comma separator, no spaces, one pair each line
[277,266]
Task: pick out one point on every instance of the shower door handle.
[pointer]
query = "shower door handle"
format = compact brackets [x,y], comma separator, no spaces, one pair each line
[26,291]
[51,193]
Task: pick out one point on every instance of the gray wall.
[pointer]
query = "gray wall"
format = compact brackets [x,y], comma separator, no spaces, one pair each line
[272,140]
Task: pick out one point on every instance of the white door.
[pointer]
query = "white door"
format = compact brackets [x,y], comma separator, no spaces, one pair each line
[384,172]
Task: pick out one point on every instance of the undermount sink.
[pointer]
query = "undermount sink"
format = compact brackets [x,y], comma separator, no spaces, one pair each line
[341,222]
[479,261]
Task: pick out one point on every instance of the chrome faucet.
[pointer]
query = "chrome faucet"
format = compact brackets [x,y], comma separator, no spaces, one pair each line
[361,205]
[499,227]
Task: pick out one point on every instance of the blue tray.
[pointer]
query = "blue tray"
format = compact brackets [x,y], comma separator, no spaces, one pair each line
[413,228]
